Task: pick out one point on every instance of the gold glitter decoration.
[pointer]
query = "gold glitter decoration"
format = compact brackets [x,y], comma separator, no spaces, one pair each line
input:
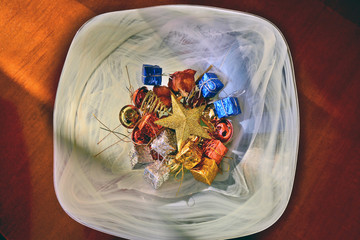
[152,103]
[189,155]
[206,171]
[184,121]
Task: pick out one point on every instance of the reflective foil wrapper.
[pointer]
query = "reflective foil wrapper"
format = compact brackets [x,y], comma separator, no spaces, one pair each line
[227,107]
[155,155]
[165,143]
[210,85]
[156,174]
[206,171]
[139,96]
[152,74]
[223,130]
[189,155]
[129,115]
[140,156]
[178,127]
[146,129]
[215,149]
[171,162]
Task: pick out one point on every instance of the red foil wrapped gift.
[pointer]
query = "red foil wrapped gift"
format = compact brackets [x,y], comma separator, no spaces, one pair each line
[146,129]
[215,149]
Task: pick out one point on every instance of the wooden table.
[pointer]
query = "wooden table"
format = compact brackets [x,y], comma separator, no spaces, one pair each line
[325,44]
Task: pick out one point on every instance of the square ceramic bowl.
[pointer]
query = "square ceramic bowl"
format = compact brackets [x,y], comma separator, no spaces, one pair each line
[253,60]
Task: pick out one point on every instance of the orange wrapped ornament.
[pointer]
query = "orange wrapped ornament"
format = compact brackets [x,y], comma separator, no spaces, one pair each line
[215,149]
[223,130]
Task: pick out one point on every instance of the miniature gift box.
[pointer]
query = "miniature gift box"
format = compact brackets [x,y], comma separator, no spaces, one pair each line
[165,143]
[140,156]
[156,174]
[151,74]
[206,171]
[227,107]
[215,149]
[210,85]
[189,155]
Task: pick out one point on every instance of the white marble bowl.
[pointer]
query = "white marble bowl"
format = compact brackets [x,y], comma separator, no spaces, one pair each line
[252,59]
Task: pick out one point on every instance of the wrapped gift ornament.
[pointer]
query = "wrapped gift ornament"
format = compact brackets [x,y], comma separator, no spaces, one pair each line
[156,174]
[227,107]
[210,85]
[171,162]
[215,149]
[140,156]
[189,155]
[165,143]
[206,171]
[155,155]
[151,74]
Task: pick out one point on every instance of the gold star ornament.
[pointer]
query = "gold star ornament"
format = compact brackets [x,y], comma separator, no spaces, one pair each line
[184,121]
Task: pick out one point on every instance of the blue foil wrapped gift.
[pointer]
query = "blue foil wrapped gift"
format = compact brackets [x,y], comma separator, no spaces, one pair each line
[151,74]
[227,107]
[210,85]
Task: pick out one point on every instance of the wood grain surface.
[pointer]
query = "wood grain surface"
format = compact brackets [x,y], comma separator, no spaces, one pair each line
[34,39]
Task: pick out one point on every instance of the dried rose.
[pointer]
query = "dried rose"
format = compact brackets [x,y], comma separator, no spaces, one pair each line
[182,81]
[164,94]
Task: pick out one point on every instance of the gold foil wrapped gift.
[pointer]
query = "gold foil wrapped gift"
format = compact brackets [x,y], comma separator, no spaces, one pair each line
[206,171]
[173,165]
[189,155]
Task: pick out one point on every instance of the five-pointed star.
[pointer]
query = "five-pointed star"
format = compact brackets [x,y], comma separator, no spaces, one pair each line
[186,122]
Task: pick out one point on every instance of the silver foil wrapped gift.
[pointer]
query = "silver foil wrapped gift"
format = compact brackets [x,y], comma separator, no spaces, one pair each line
[156,174]
[140,156]
[165,143]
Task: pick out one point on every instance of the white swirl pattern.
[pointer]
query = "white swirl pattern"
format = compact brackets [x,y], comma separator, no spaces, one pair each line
[251,57]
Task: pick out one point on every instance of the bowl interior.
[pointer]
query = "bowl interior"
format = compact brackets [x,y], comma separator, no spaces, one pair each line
[248,54]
